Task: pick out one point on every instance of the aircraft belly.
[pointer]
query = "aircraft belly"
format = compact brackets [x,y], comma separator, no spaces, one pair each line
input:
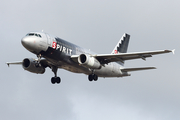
[68,65]
[74,69]
[105,71]
[108,71]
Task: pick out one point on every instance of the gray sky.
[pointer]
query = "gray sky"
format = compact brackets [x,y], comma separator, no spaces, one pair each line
[96,25]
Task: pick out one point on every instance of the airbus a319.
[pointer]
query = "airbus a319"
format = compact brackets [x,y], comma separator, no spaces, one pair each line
[54,52]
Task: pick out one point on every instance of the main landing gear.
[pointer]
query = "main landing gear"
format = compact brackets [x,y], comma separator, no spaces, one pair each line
[92,77]
[55,79]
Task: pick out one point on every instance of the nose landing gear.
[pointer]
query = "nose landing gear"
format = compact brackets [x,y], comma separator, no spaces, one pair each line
[38,62]
[54,79]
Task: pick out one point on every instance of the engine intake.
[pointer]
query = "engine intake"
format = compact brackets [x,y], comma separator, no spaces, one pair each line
[89,61]
[29,65]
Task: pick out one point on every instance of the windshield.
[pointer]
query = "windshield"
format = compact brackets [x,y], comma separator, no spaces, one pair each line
[34,34]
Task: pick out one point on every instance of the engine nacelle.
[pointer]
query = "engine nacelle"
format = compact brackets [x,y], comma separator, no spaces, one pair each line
[88,61]
[29,65]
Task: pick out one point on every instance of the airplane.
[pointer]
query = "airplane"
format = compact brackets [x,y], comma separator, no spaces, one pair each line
[54,52]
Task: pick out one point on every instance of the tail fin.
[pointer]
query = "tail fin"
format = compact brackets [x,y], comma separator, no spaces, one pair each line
[122,45]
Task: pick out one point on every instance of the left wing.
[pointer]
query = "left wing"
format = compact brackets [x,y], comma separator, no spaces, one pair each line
[129,56]
[107,58]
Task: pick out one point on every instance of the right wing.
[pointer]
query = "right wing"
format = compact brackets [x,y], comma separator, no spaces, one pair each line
[43,62]
[14,63]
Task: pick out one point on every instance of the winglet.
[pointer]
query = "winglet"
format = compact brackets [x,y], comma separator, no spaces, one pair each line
[7,64]
[173,51]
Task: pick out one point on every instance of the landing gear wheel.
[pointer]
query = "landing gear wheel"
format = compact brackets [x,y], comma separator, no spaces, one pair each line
[90,77]
[95,77]
[58,80]
[55,80]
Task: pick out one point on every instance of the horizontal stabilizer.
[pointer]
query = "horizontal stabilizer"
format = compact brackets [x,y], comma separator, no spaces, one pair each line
[136,69]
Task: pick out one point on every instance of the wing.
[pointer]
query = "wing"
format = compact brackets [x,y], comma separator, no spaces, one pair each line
[106,58]
[14,63]
[43,62]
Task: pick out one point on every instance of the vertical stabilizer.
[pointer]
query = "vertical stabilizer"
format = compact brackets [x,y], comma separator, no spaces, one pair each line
[122,46]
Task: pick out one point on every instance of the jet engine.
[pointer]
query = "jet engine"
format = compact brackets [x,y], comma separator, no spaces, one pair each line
[29,65]
[89,61]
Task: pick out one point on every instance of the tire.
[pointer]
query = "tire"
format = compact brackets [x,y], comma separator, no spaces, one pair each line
[53,80]
[95,77]
[90,77]
[58,80]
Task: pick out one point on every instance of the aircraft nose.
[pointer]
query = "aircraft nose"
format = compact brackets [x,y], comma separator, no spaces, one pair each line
[25,42]
[28,43]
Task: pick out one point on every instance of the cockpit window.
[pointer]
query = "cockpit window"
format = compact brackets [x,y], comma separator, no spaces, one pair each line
[39,35]
[31,34]
[34,34]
